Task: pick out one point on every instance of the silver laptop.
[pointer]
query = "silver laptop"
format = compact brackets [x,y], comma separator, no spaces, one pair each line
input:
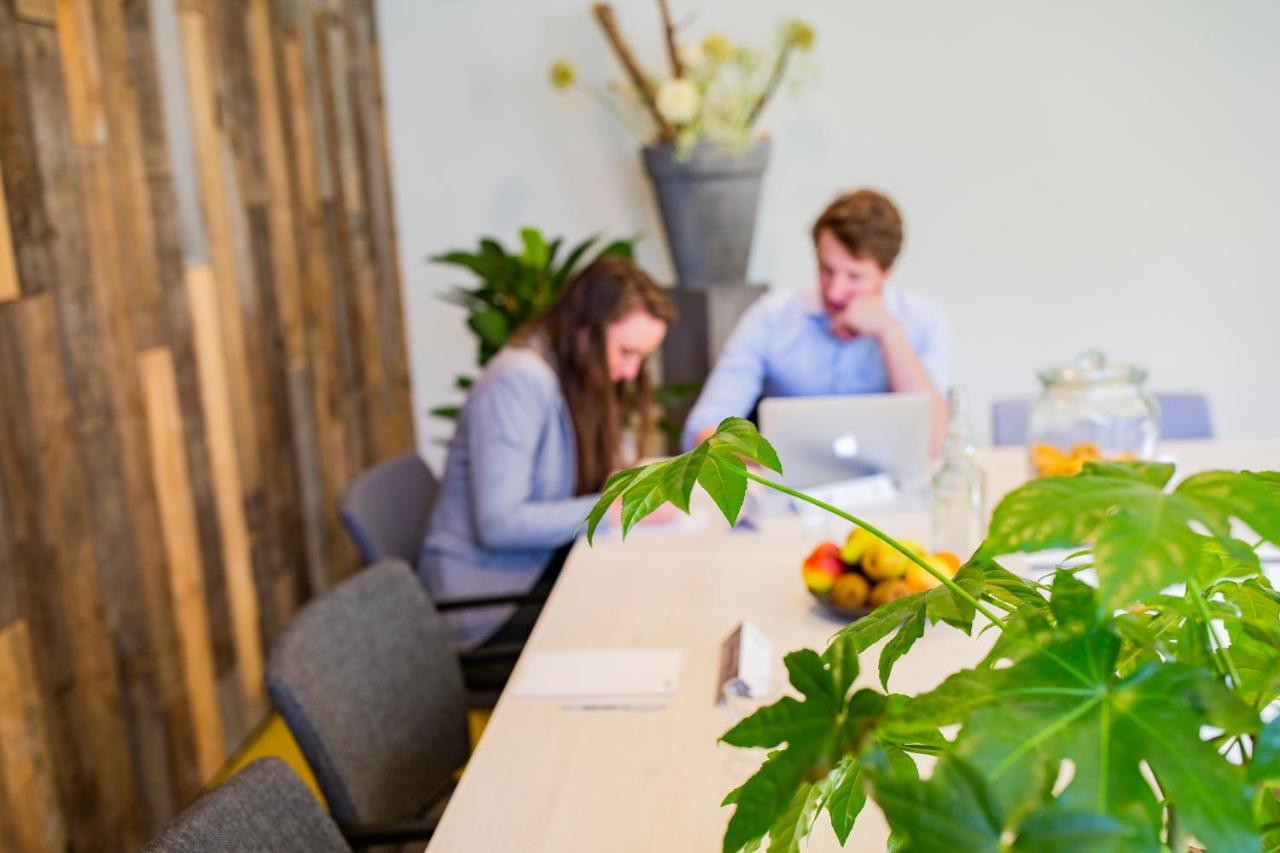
[826,439]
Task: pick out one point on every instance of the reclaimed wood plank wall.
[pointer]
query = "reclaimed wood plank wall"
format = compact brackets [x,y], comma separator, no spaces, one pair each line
[201,343]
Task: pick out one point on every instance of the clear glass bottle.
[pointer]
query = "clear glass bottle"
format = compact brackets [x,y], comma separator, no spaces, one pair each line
[959,486]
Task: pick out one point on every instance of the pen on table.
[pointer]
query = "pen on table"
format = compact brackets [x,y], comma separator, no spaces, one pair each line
[639,705]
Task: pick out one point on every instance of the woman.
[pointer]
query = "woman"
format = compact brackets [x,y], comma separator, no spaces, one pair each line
[540,433]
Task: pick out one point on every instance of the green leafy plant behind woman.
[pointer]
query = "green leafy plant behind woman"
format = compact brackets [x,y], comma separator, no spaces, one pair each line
[1126,716]
[515,287]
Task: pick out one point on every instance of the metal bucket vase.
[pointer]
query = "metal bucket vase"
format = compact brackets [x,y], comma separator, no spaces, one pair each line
[708,204]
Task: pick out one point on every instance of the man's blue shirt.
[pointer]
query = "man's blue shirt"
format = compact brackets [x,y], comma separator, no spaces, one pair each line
[783,347]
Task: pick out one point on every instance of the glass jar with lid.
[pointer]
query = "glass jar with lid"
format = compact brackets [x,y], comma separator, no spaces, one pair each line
[1090,411]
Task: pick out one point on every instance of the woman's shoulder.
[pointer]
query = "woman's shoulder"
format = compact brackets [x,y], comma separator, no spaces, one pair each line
[521,368]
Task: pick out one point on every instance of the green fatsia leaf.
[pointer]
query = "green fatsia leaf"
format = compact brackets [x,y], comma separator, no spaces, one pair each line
[955,810]
[848,796]
[1267,819]
[1254,498]
[911,630]
[1229,558]
[1065,702]
[908,615]
[717,465]
[1254,631]
[1065,831]
[1143,537]
[1265,764]
[763,798]
[817,733]
[793,825]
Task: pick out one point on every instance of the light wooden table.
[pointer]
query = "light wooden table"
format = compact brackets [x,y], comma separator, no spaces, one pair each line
[545,778]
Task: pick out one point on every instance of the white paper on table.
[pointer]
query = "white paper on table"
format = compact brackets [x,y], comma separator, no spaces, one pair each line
[604,672]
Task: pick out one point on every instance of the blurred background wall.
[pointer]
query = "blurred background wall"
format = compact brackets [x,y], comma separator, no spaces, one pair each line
[1072,174]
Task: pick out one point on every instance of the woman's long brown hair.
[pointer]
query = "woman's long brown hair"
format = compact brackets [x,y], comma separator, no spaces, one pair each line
[603,293]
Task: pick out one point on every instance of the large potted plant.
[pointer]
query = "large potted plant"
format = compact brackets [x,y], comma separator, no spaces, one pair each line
[698,125]
[514,287]
[1131,713]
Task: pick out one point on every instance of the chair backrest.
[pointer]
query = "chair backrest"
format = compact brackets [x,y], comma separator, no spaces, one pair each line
[1008,422]
[1182,416]
[262,809]
[369,684]
[386,508]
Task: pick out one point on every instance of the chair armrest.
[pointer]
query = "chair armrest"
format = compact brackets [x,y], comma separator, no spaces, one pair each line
[486,654]
[397,832]
[490,601]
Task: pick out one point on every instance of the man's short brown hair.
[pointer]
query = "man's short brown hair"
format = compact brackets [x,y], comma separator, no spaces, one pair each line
[866,223]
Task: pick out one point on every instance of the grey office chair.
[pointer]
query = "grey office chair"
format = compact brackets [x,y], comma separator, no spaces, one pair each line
[386,508]
[1181,416]
[265,808]
[371,688]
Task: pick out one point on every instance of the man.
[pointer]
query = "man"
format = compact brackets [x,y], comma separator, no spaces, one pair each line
[856,337]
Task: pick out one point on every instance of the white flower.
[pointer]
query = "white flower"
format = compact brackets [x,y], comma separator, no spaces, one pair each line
[678,101]
[691,55]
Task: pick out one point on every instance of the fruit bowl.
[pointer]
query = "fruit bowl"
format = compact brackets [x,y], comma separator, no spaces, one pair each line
[850,581]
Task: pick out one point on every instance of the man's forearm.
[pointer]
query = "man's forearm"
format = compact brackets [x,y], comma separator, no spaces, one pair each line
[906,373]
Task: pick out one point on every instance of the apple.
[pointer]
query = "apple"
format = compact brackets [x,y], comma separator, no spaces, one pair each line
[882,561]
[850,591]
[822,567]
[855,547]
[888,590]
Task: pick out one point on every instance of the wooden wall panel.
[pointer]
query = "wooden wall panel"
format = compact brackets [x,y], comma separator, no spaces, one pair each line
[25,773]
[37,11]
[178,532]
[181,402]
[9,288]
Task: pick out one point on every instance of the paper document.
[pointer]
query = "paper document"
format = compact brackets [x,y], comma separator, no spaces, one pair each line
[605,672]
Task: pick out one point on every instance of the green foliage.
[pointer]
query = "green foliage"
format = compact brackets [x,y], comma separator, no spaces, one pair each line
[515,287]
[1084,727]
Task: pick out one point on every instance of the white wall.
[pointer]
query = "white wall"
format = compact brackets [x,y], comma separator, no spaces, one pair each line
[1074,174]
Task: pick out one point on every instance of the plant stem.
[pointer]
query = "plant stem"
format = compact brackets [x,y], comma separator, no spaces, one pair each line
[669,34]
[884,537]
[608,23]
[774,80]
[1223,652]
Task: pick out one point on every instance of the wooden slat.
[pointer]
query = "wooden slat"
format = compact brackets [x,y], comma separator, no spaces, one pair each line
[64,607]
[317,303]
[78,44]
[178,533]
[37,11]
[284,251]
[9,288]
[215,395]
[28,221]
[371,127]
[381,320]
[214,180]
[350,373]
[37,823]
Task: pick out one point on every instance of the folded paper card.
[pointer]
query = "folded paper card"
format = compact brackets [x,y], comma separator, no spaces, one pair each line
[604,672]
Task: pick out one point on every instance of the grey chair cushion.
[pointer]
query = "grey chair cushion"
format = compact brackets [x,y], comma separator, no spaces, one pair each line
[265,808]
[369,684]
[386,508]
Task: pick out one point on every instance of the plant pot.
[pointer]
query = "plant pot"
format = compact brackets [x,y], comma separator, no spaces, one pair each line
[708,204]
